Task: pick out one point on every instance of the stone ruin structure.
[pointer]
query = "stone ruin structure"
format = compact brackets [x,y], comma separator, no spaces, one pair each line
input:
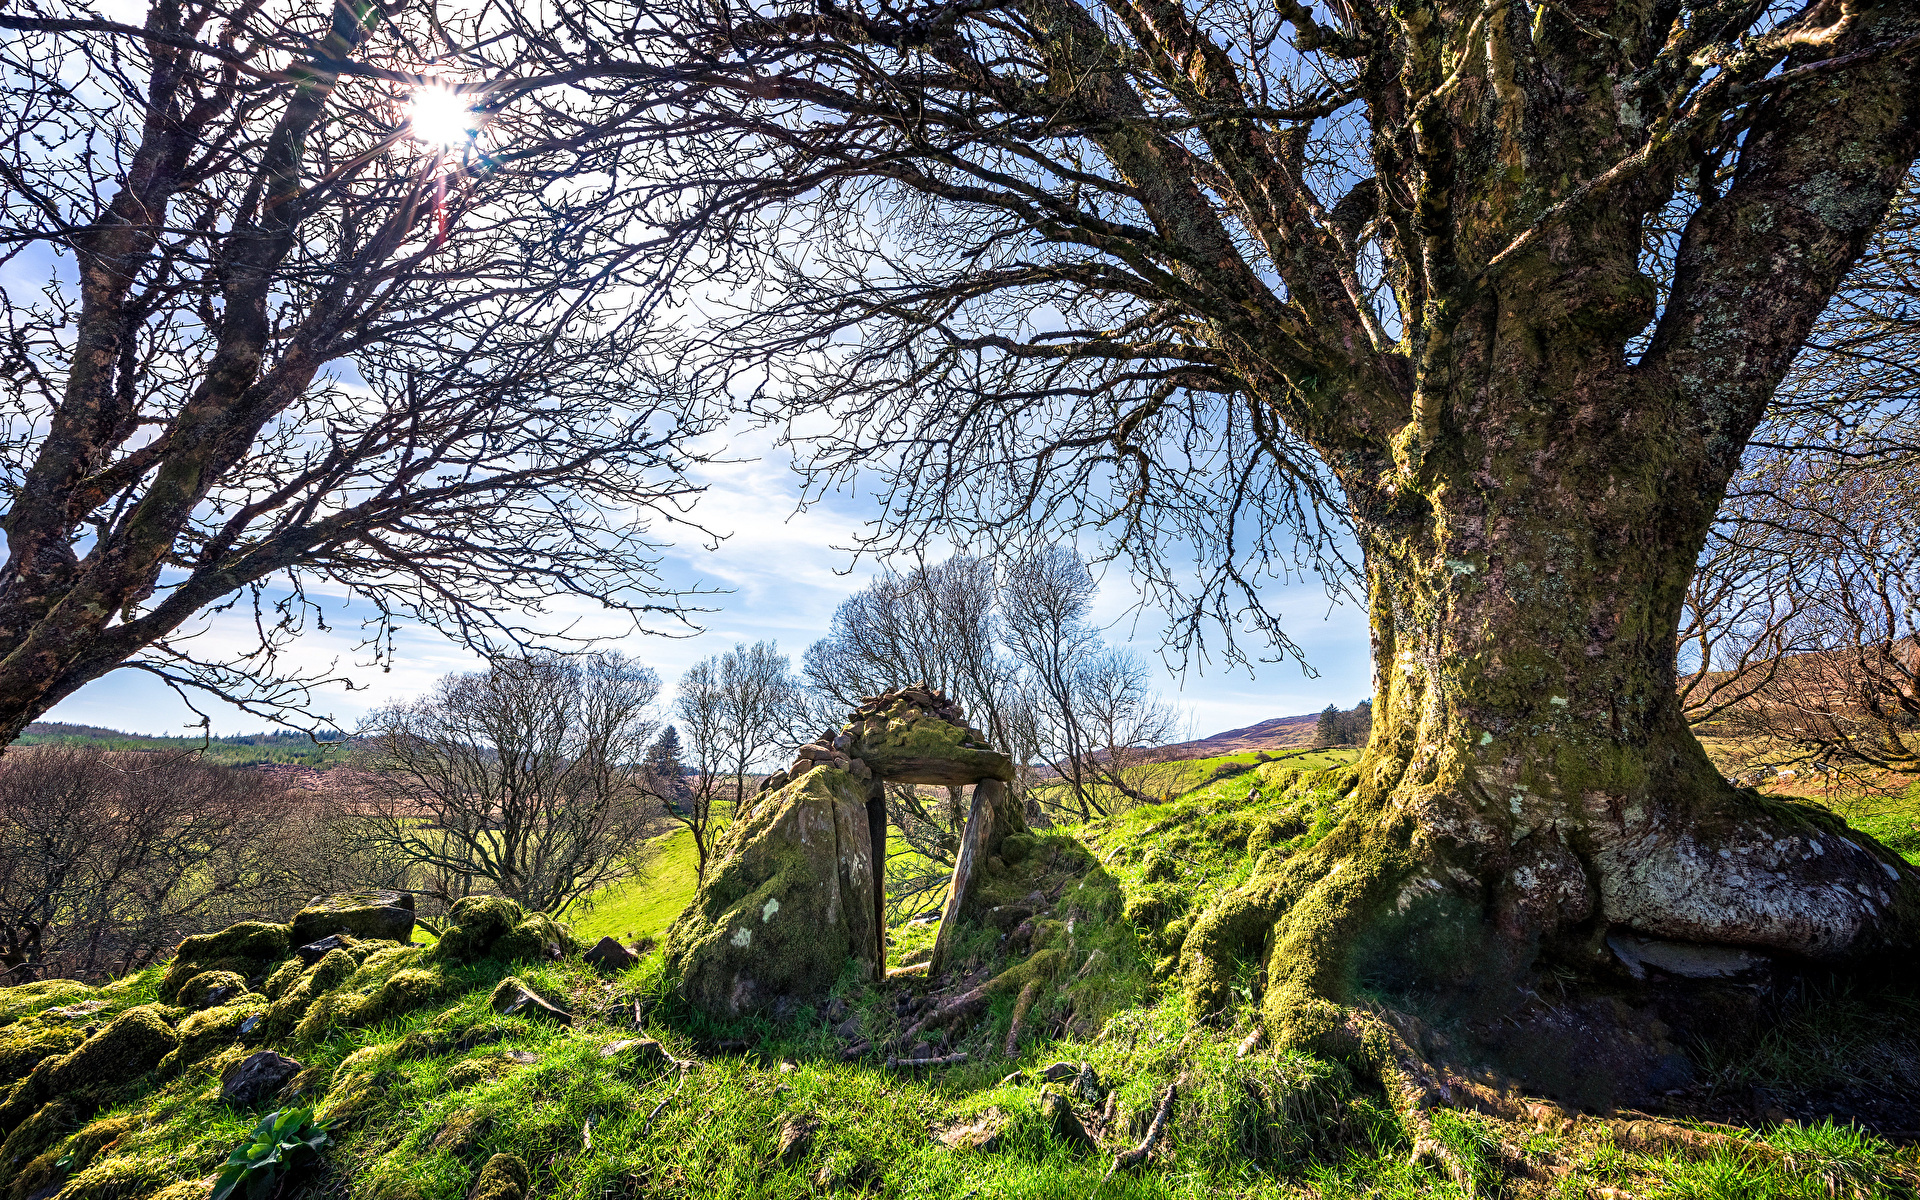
[796,897]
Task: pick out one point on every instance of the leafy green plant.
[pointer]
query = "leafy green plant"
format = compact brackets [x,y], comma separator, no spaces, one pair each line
[281,1144]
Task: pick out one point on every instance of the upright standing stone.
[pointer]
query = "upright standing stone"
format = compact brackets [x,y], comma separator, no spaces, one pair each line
[788,905]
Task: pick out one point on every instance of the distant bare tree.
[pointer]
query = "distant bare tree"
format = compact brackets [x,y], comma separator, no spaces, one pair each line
[935,624]
[524,777]
[1122,720]
[1045,598]
[107,859]
[736,710]
[289,335]
[1797,644]
[1841,694]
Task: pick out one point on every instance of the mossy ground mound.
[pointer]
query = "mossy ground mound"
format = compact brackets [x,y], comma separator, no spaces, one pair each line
[430,1095]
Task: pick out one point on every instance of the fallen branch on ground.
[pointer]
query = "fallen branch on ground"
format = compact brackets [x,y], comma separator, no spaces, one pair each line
[945,1060]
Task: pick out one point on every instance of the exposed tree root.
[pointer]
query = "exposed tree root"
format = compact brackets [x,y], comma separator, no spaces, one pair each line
[1127,1160]
[1021,1007]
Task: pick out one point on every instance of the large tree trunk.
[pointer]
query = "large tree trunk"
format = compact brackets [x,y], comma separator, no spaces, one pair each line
[1531,789]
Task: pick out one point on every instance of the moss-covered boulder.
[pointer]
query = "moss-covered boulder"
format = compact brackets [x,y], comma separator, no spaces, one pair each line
[918,736]
[376,915]
[495,927]
[26,1044]
[132,1044]
[503,1178]
[210,1030]
[209,988]
[789,905]
[247,950]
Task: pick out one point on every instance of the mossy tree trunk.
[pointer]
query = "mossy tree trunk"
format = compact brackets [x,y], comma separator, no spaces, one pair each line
[1531,785]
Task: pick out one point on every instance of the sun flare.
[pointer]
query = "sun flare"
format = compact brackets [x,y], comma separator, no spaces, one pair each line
[440,116]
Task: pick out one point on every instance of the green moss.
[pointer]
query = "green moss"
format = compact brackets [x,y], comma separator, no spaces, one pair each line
[246,949]
[45,1126]
[130,1046]
[503,1178]
[287,1012]
[194,992]
[119,1177]
[28,999]
[903,738]
[210,1030]
[283,977]
[24,1045]
[73,1154]
[495,927]
[1042,965]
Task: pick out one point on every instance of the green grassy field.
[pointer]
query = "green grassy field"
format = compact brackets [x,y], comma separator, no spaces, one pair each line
[643,906]
[241,751]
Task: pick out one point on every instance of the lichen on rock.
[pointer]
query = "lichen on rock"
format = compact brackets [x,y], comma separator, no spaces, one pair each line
[789,903]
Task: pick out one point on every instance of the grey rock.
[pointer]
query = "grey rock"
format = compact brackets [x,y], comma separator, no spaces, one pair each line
[983,1133]
[257,1077]
[1055,1072]
[375,913]
[610,955]
[1087,1085]
[313,952]
[1687,960]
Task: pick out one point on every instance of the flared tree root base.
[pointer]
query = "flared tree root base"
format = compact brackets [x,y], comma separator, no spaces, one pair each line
[1412,916]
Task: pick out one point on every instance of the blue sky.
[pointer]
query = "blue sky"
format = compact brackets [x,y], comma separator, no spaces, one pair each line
[784,578]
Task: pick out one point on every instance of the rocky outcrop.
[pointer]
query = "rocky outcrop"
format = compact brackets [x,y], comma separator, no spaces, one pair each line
[377,914]
[246,950]
[234,998]
[789,904]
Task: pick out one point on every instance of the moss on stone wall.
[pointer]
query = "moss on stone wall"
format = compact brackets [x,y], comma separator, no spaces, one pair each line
[246,949]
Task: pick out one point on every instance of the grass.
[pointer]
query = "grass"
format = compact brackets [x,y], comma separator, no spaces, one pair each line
[409,1124]
[645,905]
[245,750]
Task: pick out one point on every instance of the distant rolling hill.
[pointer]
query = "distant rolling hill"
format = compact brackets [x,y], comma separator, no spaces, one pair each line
[243,750]
[1279,733]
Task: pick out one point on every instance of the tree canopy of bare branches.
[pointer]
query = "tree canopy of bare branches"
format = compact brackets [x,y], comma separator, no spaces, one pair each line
[107,859]
[524,779]
[284,342]
[737,710]
[1013,642]
[1502,290]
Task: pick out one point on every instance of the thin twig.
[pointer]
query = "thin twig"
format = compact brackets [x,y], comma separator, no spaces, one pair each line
[1129,1159]
[648,1123]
